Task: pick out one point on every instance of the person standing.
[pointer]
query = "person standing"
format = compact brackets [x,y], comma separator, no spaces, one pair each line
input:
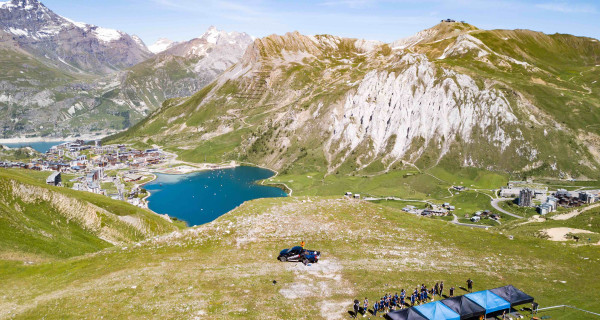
[441,288]
[534,307]
[365,306]
[375,308]
[470,285]
[436,289]
[451,292]
[402,297]
[356,307]
[413,297]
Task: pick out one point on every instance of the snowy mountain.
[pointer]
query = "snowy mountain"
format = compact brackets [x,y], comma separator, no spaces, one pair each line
[161,45]
[78,47]
[182,68]
[43,96]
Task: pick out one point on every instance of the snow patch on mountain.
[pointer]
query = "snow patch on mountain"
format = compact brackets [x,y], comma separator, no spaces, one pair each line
[161,45]
[80,25]
[18,32]
[107,35]
[417,104]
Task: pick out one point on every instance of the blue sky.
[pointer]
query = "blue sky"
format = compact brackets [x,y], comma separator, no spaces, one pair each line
[385,20]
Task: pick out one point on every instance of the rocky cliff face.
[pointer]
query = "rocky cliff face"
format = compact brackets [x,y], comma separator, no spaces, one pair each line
[419,103]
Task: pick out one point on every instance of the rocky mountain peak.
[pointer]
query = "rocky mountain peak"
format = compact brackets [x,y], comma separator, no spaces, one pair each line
[23,4]
[228,43]
[78,47]
[441,31]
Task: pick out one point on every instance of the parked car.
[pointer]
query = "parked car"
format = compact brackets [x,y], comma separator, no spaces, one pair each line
[299,254]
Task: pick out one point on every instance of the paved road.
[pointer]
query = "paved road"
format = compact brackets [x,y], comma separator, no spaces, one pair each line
[455,221]
[497,207]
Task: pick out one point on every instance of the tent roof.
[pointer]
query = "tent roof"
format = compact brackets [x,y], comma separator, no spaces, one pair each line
[437,311]
[488,300]
[513,295]
[405,314]
[464,307]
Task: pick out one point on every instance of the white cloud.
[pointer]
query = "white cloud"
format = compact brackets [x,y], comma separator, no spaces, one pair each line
[565,7]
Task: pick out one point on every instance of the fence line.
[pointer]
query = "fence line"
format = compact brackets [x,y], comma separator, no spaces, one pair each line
[567,306]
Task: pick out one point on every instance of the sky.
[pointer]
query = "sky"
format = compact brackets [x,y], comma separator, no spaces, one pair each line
[384,20]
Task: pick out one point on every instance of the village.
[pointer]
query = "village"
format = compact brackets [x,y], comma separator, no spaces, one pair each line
[531,198]
[116,171]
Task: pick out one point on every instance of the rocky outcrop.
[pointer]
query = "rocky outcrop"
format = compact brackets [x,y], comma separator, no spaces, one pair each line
[105,225]
[418,104]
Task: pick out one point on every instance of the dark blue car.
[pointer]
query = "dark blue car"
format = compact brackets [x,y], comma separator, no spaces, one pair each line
[299,254]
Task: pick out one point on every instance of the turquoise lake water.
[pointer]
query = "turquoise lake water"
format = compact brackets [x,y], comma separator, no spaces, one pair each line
[202,197]
[38,146]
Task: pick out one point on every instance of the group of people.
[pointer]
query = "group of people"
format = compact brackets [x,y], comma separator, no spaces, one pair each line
[389,302]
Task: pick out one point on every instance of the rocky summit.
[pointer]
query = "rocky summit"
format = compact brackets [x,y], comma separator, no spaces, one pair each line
[77,47]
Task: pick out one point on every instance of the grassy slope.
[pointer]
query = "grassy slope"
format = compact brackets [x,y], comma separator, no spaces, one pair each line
[44,229]
[225,269]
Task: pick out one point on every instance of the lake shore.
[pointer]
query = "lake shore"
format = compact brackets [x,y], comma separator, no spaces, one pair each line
[85,137]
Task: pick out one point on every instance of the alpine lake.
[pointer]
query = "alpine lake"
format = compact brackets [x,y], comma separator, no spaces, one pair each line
[202,197]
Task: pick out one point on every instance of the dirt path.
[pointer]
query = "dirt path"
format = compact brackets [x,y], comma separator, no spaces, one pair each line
[574,213]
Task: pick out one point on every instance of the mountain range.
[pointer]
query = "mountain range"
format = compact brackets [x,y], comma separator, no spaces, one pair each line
[64,78]
[453,95]
[509,100]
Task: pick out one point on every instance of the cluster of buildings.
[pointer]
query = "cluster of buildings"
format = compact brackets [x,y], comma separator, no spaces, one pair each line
[477,216]
[567,199]
[433,211]
[90,162]
[77,157]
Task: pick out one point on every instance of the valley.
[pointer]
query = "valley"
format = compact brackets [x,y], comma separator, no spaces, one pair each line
[186,166]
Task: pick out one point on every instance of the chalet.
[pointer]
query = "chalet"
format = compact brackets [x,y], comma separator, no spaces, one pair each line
[544,208]
[93,177]
[587,197]
[434,212]
[54,179]
[409,209]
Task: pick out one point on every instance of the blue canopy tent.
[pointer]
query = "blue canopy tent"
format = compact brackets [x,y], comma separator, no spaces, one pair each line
[437,311]
[488,300]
